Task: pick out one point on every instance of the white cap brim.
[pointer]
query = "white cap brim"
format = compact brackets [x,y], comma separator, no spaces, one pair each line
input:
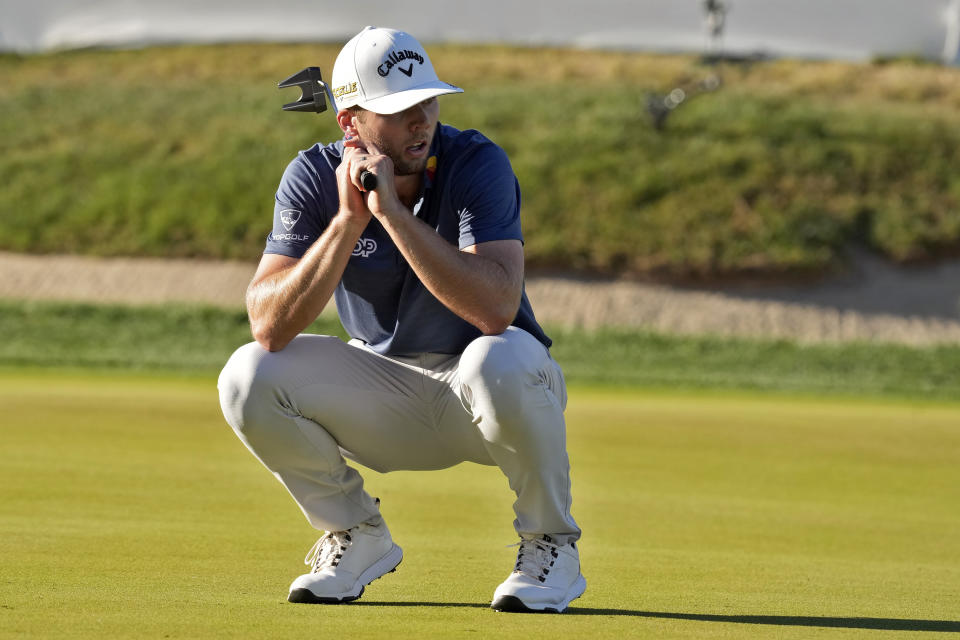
[397,102]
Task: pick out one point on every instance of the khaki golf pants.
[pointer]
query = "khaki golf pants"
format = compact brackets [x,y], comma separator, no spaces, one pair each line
[304,409]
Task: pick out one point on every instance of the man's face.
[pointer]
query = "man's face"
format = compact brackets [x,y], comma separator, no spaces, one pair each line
[404,137]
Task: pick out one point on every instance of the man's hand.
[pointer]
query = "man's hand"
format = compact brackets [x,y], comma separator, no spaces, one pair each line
[360,157]
[353,200]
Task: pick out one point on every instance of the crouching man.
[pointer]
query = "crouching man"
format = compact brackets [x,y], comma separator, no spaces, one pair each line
[446,362]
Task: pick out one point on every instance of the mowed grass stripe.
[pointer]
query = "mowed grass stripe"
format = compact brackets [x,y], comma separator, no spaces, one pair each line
[130,509]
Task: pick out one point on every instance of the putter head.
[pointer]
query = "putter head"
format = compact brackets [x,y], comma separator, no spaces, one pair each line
[312,91]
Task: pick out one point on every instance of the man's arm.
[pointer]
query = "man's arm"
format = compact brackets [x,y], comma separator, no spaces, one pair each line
[287,294]
[482,284]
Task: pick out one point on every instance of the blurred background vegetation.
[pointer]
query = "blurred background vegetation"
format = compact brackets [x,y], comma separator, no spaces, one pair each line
[177,151]
[190,341]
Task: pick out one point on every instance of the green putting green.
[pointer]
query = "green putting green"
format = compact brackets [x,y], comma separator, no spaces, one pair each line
[129,509]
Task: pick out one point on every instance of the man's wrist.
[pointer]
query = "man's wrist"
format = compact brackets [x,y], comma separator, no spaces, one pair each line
[350,225]
[390,217]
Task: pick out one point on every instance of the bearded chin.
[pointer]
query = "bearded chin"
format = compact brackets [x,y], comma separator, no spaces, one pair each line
[402,168]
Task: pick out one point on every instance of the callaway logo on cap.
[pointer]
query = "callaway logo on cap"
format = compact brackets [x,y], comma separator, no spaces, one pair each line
[385,71]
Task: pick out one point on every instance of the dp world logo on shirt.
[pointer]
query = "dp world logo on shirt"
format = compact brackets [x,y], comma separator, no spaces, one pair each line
[365,246]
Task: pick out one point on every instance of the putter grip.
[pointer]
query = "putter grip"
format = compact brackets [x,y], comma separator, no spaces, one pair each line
[368,180]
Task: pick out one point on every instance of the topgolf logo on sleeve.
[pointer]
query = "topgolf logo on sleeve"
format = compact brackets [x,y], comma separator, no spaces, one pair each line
[289,218]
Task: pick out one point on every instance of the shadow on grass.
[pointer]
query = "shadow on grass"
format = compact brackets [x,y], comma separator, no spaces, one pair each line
[880,624]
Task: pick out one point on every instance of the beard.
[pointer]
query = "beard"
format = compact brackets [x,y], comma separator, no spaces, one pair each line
[401,166]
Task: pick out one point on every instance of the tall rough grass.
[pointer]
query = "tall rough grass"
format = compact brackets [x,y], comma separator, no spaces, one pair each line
[177,152]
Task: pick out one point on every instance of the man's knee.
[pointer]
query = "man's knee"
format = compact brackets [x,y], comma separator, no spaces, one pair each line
[491,361]
[497,372]
[241,382]
[253,383]
[515,393]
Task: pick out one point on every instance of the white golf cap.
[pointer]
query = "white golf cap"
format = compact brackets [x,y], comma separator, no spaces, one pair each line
[385,71]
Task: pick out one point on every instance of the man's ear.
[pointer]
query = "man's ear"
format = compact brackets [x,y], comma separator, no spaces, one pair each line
[347,121]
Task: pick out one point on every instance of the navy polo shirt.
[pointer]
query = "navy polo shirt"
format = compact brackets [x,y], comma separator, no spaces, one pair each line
[469,195]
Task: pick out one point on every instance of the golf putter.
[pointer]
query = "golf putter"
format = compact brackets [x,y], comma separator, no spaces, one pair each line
[313,97]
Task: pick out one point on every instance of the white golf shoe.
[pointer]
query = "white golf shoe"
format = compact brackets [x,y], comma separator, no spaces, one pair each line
[546,579]
[342,563]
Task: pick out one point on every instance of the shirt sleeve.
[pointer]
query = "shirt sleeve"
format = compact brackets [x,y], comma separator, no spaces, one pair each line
[298,213]
[487,198]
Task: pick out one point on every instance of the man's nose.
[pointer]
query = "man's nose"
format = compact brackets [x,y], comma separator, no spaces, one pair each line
[417,115]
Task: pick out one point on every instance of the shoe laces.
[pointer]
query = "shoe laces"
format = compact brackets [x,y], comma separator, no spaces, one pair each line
[328,550]
[536,557]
